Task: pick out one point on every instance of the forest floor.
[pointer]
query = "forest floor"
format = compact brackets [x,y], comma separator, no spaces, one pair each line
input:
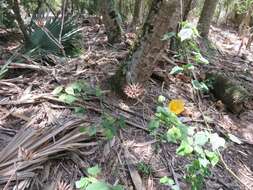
[42,140]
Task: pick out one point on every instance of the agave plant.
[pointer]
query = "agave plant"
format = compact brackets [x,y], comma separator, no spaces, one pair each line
[45,37]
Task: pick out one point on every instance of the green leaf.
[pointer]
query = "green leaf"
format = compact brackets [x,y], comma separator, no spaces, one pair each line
[175,70]
[201,138]
[92,130]
[82,129]
[79,110]
[200,59]
[94,171]
[199,150]
[203,162]
[213,157]
[168,36]
[161,99]
[153,124]
[57,90]
[188,66]
[66,98]
[98,92]
[216,141]
[184,149]
[199,85]
[70,90]
[117,187]
[234,139]
[166,181]
[175,187]
[98,186]
[174,134]
[185,34]
[82,183]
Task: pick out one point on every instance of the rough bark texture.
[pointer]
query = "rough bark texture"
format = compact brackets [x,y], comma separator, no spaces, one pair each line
[206,17]
[138,12]
[112,20]
[188,5]
[163,17]
[15,7]
[246,20]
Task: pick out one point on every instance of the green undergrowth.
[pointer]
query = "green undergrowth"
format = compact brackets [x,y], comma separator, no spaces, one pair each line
[200,146]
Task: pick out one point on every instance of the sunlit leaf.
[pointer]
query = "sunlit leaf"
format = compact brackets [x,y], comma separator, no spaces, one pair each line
[67,98]
[200,59]
[173,134]
[234,139]
[203,162]
[213,157]
[201,138]
[99,185]
[166,181]
[185,34]
[216,141]
[94,171]
[199,85]
[82,183]
[57,90]
[161,99]
[184,149]
[175,70]
[70,90]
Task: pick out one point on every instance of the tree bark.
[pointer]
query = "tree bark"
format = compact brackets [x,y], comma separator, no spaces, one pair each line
[206,17]
[163,17]
[188,5]
[138,11]
[112,20]
[15,7]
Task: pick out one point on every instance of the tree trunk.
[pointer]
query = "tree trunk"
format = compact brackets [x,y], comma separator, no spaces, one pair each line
[188,5]
[15,7]
[112,20]
[163,17]
[138,11]
[246,20]
[206,17]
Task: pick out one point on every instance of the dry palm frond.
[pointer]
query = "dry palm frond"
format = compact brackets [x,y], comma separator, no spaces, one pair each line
[62,137]
[133,90]
[25,154]
[61,185]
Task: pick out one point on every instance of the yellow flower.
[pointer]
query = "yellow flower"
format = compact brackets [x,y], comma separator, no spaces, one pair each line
[176,106]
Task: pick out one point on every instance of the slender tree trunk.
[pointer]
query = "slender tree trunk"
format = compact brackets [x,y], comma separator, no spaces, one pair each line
[16,9]
[188,5]
[206,17]
[112,20]
[138,11]
[246,20]
[163,17]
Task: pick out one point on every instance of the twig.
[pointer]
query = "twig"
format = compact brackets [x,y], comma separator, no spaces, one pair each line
[231,172]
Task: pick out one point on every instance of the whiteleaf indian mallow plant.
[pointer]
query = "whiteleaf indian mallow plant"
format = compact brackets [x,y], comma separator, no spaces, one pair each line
[188,47]
[199,145]
[91,182]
